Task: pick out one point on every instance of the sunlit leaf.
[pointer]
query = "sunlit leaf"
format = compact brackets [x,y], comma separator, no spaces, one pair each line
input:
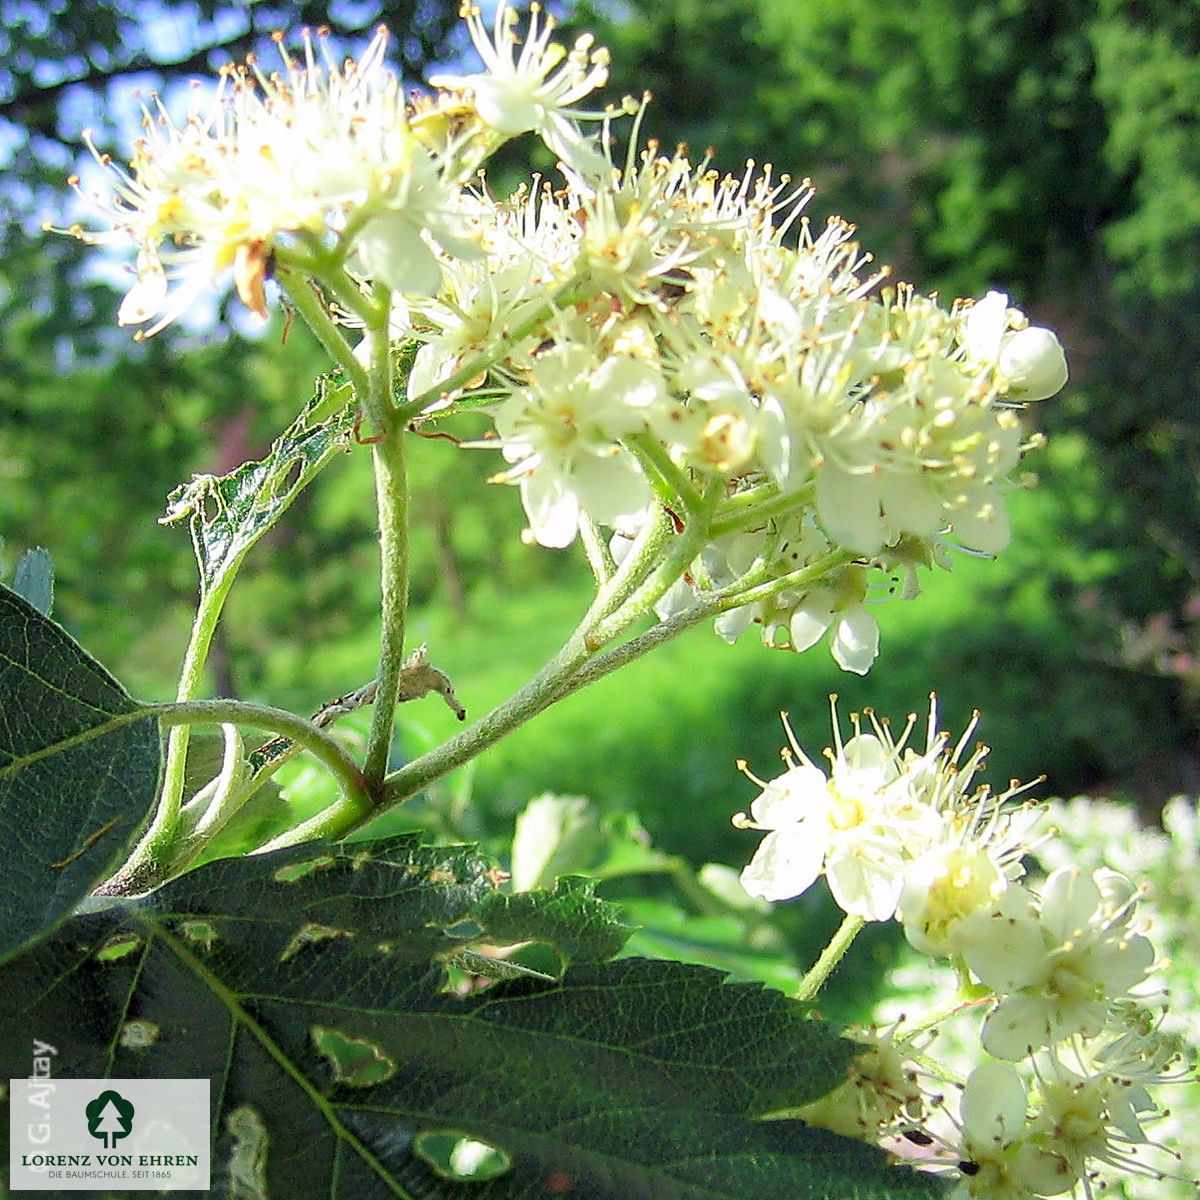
[582,928]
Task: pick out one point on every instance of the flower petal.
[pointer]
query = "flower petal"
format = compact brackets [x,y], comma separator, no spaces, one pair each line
[786,864]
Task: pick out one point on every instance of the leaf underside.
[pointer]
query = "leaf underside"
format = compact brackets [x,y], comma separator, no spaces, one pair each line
[307,986]
[74,787]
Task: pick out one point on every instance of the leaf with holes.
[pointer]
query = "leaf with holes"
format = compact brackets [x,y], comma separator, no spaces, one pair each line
[78,774]
[307,986]
[227,514]
[582,928]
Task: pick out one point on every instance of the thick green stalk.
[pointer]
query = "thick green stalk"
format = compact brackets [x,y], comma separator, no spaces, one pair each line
[574,667]
[747,590]
[733,516]
[391,497]
[274,720]
[679,556]
[671,483]
[646,550]
[151,865]
[550,684]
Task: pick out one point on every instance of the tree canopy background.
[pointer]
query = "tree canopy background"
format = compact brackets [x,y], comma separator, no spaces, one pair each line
[1050,149]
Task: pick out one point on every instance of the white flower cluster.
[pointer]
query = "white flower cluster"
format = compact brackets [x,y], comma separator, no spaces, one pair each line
[330,156]
[713,357]
[651,339]
[1061,969]
[893,830]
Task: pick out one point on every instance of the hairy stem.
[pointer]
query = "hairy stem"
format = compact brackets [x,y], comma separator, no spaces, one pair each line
[833,954]
[679,555]
[147,870]
[391,496]
[574,667]
[312,310]
[671,483]
[735,514]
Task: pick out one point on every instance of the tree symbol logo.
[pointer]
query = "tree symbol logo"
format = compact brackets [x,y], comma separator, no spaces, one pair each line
[109,1117]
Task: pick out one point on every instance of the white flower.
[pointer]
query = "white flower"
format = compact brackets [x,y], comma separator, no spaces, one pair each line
[536,89]
[857,826]
[854,640]
[946,885]
[314,152]
[836,604]
[970,866]
[1029,357]
[1001,1157]
[890,827]
[563,433]
[1057,963]
[529,245]
[925,448]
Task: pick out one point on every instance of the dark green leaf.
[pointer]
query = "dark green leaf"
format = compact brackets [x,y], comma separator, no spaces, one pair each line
[582,928]
[229,513]
[302,984]
[75,782]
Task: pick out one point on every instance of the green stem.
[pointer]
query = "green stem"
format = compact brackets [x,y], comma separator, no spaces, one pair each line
[163,828]
[742,592]
[391,496]
[274,720]
[312,310]
[573,668]
[598,555]
[750,497]
[679,556]
[329,267]
[833,954]
[647,548]
[356,795]
[671,483]
[211,808]
[147,868]
[732,517]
